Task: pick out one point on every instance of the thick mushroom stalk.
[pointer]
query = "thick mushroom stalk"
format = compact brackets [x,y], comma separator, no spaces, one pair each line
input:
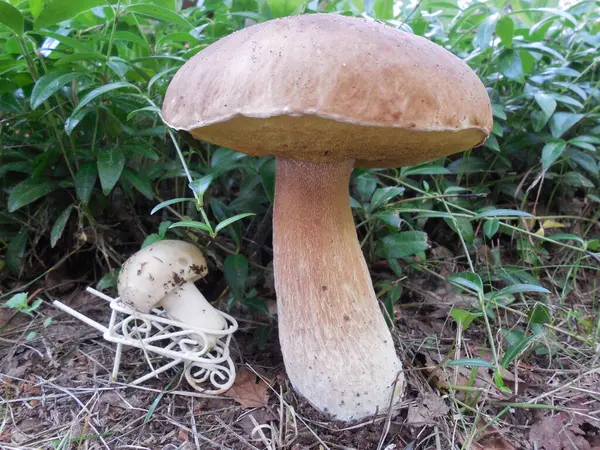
[338,351]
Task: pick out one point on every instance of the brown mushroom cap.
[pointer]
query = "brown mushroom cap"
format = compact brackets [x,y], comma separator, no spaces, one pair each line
[324,88]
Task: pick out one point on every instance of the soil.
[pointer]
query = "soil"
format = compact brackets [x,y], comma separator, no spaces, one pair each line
[56,390]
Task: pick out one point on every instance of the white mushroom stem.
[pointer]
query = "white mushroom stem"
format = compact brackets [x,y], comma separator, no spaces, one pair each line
[338,351]
[187,304]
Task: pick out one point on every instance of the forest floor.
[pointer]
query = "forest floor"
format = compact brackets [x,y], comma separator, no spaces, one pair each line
[56,392]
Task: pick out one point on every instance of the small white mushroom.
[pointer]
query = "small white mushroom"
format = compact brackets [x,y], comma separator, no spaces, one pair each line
[163,275]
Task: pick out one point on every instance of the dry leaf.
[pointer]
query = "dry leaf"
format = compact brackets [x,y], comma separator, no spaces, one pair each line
[430,407]
[249,390]
[183,436]
[495,443]
[5,316]
[559,432]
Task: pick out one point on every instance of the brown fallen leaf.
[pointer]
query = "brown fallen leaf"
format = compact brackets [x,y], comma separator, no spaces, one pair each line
[430,407]
[5,316]
[183,436]
[495,443]
[249,390]
[559,432]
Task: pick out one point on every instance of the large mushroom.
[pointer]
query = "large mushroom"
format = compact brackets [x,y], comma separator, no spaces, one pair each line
[324,93]
[163,275]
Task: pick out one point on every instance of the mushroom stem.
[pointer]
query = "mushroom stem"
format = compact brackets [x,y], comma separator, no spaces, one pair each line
[187,304]
[337,349]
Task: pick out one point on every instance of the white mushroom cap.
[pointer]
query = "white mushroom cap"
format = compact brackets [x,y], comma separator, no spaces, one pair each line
[151,274]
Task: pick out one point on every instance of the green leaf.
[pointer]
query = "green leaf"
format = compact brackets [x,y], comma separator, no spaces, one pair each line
[492,143]
[435,215]
[159,13]
[469,280]
[539,119]
[282,8]
[384,9]
[191,224]
[505,29]
[383,195]
[170,202]
[18,301]
[67,41]
[567,100]
[551,152]
[509,65]
[36,7]
[235,270]
[426,169]
[389,217]
[58,10]
[568,237]
[577,180]
[485,32]
[498,111]
[419,26]
[153,109]
[111,162]
[490,227]
[15,251]
[470,362]
[231,220]
[94,94]
[85,179]
[538,47]
[593,245]
[365,186]
[585,142]
[163,227]
[49,84]
[519,289]
[35,305]
[151,239]
[28,191]
[107,281]
[551,11]
[463,226]
[528,61]
[404,244]
[547,103]
[130,37]
[464,318]
[516,350]
[267,176]
[74,119]
[501,213]
[200,186]
[561,122]
[222,212]
[540,314]
[497,129]
[47,322]
[12,17]
[59,225]
[140,182]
